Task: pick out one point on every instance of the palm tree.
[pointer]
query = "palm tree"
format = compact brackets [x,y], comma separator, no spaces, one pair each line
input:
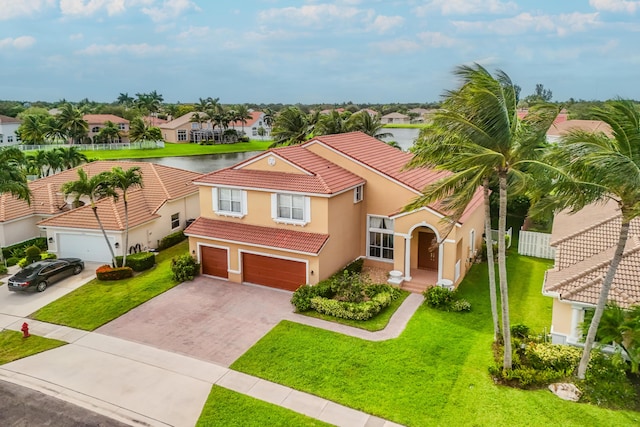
[37,163]
[95,188]
[330,124]
[110,132]
[605,169]
[126,180]
[71,157]
[53,161]
[241,114]
[371,125]
[478,136]
[33,129]
[71,121]
[12,177]
[291,126]
[140,131]
[125,100]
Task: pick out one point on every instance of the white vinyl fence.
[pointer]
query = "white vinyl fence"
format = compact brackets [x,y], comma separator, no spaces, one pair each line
[536,244]
[94,147]
[509,232]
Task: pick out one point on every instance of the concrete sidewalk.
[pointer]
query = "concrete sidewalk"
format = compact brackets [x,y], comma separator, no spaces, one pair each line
[141,385]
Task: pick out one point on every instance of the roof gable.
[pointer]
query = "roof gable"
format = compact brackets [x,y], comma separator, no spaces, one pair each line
[101,119]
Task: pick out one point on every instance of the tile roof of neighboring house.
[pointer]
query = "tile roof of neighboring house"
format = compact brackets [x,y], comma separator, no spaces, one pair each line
[161,183]
[279,238]
[585,243]
[318,175]
[103,118]
[255,116]
[177,122]
[395,116]
[560,128]
[7,119]
[154,121]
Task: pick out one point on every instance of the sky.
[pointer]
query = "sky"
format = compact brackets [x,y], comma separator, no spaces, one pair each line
[280,51]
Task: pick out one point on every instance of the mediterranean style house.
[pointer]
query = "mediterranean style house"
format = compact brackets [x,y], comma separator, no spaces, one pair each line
[585,242]
[165,203]
[97,122]
[295,215]
[8,131]
[184,130]
[392,118]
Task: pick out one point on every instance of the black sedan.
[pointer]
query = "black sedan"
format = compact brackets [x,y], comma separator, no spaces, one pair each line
[40,274]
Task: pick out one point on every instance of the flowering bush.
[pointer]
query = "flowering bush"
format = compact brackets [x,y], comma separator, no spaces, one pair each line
[106,272]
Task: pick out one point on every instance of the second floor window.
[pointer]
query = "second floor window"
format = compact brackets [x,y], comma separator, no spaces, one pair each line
[292,208]
[229,201]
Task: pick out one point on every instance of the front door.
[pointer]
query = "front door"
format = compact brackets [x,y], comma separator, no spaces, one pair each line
[427,251]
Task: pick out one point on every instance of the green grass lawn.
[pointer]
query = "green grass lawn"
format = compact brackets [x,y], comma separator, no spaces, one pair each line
[99,302]
[172,150]
[377,323]
[13,346]
[227,408]
[435,373]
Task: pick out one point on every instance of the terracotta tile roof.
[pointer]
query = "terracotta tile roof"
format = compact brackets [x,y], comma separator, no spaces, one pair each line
[255,117]
[177,122]
[584,253]
[7,119]
[279,238]
[560,128]
[161,183]
[103,118]
[321,177]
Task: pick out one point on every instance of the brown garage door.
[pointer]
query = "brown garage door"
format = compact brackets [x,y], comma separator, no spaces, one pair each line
[274,272]
[214,261]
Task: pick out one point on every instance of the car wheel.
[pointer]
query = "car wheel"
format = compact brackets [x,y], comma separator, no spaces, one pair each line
[77,269]
[41,286]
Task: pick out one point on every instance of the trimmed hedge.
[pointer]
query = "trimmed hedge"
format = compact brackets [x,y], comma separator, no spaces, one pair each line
[301,298]
[17,250]
[352,310]
[138,262]
[106,272]
[171,240]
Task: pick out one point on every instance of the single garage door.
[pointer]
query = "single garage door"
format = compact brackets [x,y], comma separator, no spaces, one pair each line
[87,247]
[214,261]
[274,272]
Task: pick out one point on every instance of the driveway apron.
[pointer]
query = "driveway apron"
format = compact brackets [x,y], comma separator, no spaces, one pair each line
[210,319]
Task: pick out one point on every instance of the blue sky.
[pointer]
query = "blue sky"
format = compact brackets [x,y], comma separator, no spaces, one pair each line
[313,51]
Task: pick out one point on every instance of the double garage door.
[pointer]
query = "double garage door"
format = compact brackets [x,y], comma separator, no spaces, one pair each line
[258,269]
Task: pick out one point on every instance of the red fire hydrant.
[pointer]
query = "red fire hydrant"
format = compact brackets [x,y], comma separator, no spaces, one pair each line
[25,330]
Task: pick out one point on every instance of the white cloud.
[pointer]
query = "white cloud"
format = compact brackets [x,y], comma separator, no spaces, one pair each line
[309,14]
[425,40]
[142,49]
[383,24]
[615,5]
[194,33]
[466,7]
[90,7]
[170,9]
[21,42]
[436,40]
[526,22]
[398,46]
[15,8]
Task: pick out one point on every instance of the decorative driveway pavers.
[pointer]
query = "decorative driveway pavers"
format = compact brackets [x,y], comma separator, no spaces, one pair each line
[209,319]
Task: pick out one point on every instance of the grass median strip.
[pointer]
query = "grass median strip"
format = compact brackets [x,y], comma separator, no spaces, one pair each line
[99,302]
[13,346]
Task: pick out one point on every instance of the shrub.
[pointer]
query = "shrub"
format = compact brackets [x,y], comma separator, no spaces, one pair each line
[553,356]
[17,250]
[606,382]
[11,261]
[301,298]
[355,266]
[438,297]
[527,377]
[106,272]
[184,267]
[47,255]
[349,286]
[3,269]
[460,305]
[32,254]
[171,239]
[140,261]
[519,330]
[351,310]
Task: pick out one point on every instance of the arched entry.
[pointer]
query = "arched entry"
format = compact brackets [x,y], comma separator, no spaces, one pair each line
[427,250]
[424,254]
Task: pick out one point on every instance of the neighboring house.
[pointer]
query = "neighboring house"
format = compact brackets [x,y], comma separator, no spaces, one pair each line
[154,121]
[395,118]
[252,125]
[180,128]
[183,130]
[297,214]
[8,128]
[372,113]
[163,206]
[423,115]
[585,243]
[562,127]
[97,121]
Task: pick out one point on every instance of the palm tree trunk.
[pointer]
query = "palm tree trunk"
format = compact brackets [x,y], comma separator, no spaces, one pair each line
[126,229]
[502,271]
[604,296]
[104,233]
[490,262]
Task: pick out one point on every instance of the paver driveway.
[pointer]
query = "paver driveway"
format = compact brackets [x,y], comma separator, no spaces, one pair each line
[209,319]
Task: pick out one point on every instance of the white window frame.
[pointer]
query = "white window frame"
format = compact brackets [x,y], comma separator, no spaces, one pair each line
[181,135]
[276,198]
[386,230]
[358,194]
[177,220]
[237,195]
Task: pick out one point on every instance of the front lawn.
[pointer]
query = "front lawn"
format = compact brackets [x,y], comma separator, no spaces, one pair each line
[99,302]
[227,408]
[172,150]
[13,346]
[435,373]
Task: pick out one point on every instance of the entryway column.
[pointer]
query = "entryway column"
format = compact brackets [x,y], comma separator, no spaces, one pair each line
[407,258]
[440,260]
[577,317]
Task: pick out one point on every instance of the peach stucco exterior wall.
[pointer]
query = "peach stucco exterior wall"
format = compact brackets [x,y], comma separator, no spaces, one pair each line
[561,317]
[275,165]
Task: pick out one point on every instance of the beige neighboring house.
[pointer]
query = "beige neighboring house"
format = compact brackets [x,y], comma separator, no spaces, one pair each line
[8,131]
[184,130]
[97,122]
[297,214]
[423,115]
[560,128]
[163,206]
[179,129]
[585,243]
[395,118]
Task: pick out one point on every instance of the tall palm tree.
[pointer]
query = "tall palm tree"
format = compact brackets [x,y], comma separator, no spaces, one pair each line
[94,188]
[241,114]
[37,163]
[371,125]
[54,163]
[71,121]
[140,131]
[291,126]
[478,136]
[125,100]
[125,181]
[12,177]
[110,132]
[71,157]
[606,169]
[330,124]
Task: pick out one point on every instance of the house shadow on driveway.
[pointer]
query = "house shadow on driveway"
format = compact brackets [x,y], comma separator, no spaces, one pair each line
[209,319]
